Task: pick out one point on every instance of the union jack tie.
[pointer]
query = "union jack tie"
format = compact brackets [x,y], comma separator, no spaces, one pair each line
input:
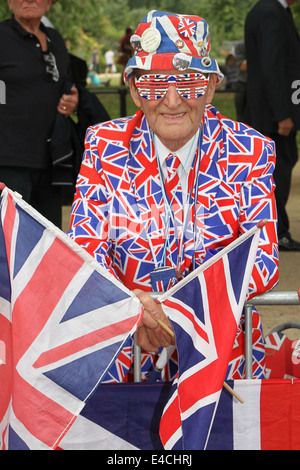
[173,189]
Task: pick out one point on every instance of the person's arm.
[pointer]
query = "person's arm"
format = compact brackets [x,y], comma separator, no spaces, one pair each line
[89,225]
[257,202]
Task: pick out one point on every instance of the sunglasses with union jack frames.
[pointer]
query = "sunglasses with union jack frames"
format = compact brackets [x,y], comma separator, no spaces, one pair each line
[188,85]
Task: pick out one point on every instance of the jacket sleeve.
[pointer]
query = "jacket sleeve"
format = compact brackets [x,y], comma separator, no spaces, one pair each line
[257,202]
[89,224]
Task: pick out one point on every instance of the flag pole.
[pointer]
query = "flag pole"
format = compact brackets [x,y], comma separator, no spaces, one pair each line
[233,392]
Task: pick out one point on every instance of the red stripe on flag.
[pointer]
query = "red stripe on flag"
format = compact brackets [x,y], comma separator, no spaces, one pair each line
[43,418]
[280,414]
[224,333]
[84,342]
[170,422]
[40,296]
[8,226]
[4,438]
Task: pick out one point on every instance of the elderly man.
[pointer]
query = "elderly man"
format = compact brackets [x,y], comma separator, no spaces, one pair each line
[34,65]
[150,228]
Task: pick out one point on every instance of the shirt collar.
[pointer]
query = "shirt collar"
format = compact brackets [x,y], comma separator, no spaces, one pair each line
[181,153]
[22,31]
[283,3]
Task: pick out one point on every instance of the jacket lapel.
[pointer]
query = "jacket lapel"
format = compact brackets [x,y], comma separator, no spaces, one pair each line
[146,186]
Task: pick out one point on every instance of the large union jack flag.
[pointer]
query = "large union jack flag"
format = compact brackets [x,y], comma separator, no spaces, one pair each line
[205,310]
[63,320]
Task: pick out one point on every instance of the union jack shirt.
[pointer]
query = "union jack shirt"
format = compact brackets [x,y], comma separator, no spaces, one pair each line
[118,213]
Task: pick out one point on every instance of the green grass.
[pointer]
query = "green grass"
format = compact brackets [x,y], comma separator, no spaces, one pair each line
[111,102]
[224,102]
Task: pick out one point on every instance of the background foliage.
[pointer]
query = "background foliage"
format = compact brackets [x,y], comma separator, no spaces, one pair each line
[101,23]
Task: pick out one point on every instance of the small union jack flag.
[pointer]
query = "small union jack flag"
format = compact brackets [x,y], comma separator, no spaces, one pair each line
[205,310]
[187,27]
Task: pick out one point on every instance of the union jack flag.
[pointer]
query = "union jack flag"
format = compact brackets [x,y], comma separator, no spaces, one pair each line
[126,417]
[63,321]
[186,27]
[205,310]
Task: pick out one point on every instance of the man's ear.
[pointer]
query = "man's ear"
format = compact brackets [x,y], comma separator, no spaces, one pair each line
[49,5]
[211,88]
[134,93]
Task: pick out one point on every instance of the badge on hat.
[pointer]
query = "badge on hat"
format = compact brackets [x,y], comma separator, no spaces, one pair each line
[135,41]
[181,61]
[202,49]
[150,40]
[206,62]
[179,43]
[186,27]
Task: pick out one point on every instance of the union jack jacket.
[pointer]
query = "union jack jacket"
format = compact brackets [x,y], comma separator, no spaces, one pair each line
[118,213]
[118,210]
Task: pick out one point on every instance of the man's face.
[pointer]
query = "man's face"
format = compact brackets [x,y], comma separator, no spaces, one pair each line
[172,118]
[29,9]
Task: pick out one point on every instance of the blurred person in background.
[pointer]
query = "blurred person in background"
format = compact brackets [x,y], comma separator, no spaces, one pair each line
[273,65]
[34,64]
[126,50]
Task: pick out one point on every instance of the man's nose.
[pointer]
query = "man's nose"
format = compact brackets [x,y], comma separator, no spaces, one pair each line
[172,97]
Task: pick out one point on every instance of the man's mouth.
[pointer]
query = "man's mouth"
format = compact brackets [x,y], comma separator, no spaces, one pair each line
[173,116]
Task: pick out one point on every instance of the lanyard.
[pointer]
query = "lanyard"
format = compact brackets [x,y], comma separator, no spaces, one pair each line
[168,205]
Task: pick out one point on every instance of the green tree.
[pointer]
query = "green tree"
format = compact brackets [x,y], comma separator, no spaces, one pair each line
[102,22]
[4,10]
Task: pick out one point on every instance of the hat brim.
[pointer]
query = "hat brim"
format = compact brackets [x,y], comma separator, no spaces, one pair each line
[170,61]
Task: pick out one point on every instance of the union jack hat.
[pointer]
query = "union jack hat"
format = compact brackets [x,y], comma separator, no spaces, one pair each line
[165,41]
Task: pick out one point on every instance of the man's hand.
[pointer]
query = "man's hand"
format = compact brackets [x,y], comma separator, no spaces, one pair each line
[68,103]
[151,336]
[285,127]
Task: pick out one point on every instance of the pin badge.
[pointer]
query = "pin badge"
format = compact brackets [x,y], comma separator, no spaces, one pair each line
[179,43]
[206,62]
[181,61]
[150,40]
[202,48]
[186,27]
[135,41]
